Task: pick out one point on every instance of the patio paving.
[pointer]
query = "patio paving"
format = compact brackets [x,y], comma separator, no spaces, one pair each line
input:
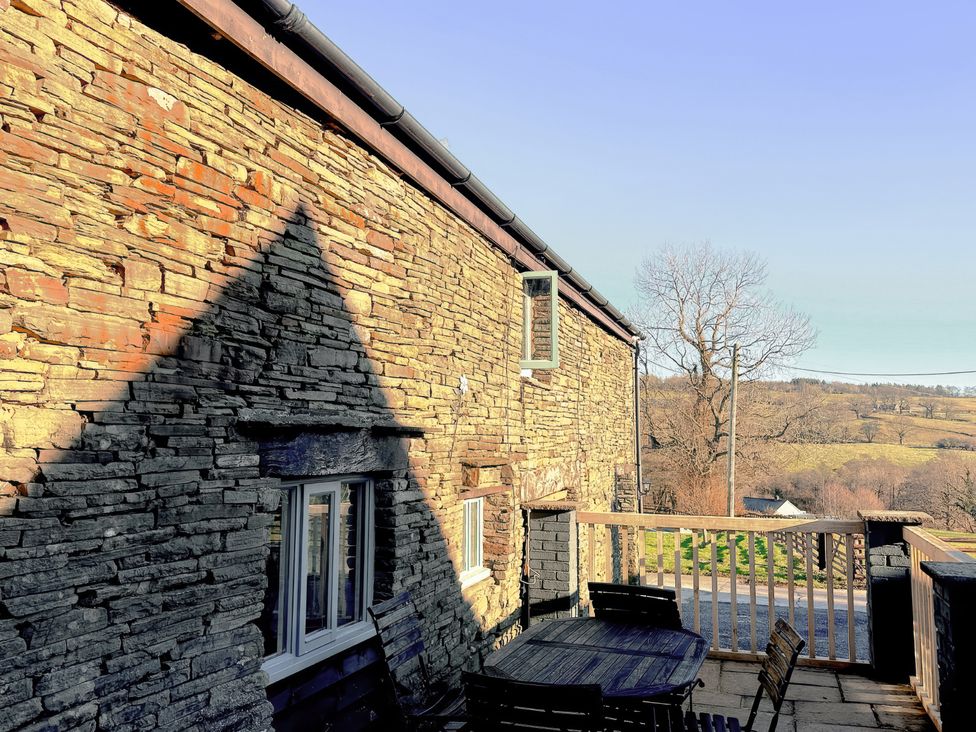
[818,700]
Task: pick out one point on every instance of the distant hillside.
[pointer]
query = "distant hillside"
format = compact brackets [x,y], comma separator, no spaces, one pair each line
[831,448]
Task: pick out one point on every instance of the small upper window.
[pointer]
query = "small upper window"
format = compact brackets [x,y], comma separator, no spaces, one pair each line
[540,320]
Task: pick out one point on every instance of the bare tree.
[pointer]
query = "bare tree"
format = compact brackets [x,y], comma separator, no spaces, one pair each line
[944,488]
[870,430]
[902,428]
[929,406]
[861,406]
[694,304]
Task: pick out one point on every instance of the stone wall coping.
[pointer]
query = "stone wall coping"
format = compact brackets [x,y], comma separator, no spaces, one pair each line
[956,574]
[909,518]
[551,505]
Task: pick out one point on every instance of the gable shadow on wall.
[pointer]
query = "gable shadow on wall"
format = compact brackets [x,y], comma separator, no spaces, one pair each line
[133,567]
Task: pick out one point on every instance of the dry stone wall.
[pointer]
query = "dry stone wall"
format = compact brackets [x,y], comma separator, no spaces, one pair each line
[186,266]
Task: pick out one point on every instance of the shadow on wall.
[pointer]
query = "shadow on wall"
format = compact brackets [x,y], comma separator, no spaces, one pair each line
[133,566]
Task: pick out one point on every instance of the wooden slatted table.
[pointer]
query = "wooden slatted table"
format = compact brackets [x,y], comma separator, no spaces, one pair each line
[627,661]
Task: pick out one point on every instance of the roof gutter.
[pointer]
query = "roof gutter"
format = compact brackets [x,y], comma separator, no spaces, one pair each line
[288,20]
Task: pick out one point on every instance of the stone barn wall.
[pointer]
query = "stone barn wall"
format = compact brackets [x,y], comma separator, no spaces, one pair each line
[191,269]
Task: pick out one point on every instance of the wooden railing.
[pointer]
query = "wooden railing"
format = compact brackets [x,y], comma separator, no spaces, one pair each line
[924,547]
[735,576]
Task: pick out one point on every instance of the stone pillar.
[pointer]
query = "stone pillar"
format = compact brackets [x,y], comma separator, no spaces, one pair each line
[553,588]
[625,488]
[890,632]
[954,589]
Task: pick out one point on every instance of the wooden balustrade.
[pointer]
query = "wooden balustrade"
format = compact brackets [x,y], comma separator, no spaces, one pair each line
[810,571]
[924,547]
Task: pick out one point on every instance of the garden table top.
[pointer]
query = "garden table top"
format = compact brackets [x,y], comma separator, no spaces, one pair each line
[626,660]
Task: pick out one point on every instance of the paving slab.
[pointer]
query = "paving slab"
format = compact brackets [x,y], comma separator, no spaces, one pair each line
[903,718]
[814,677]
[837,712]
[818,700]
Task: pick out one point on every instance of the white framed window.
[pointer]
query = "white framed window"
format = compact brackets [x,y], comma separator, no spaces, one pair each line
[320,573]
[540,320]
[473,567]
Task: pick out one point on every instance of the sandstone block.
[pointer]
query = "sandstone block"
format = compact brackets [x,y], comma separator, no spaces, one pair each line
[65,327]
[40,428]
[143,275]
[36,286]
[359,303]
[183,286]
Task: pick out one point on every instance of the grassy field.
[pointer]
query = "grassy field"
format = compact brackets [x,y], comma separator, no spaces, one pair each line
[958,539]
[834,455]
[923,431]
[741,551]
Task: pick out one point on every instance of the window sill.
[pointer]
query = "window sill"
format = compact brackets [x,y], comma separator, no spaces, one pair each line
[529,378]
[284,665]
[474,576]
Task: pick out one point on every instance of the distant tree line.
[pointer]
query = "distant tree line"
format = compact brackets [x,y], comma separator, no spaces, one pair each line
[843,387]
[945,488]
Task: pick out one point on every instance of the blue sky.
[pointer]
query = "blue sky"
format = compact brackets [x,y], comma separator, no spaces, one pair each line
[834,139]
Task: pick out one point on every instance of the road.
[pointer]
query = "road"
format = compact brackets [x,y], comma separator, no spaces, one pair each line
[743,615]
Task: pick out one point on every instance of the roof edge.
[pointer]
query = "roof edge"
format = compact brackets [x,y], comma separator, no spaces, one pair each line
[250,36]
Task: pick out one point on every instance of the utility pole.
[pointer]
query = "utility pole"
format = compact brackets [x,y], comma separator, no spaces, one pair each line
[735,380]
[637,424]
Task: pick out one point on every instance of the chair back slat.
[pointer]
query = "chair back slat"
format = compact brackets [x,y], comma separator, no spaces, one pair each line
[785,632]
[494,704]
[642,716]
[654,606]
[782,653]
[398,628]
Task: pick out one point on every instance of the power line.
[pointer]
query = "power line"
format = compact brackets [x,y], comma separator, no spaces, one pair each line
[858,373]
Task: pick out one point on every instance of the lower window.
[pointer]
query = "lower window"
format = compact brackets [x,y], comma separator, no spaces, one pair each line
[319,573]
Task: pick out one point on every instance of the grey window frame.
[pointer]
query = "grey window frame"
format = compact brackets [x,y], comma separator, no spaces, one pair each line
[553,361]
[477,572]
[302,650]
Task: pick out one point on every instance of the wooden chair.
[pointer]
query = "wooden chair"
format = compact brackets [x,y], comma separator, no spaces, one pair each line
[655,606]
[422,703]
[495,704]
[782,651]
[642,717]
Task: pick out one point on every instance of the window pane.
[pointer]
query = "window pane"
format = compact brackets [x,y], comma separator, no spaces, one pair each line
[471,549]
[350,601]
[317,601]
[273,615]
[466,538]
[538,304]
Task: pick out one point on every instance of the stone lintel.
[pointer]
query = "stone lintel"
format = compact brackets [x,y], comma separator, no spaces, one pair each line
[486,462]
[270,420]
[297,453]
